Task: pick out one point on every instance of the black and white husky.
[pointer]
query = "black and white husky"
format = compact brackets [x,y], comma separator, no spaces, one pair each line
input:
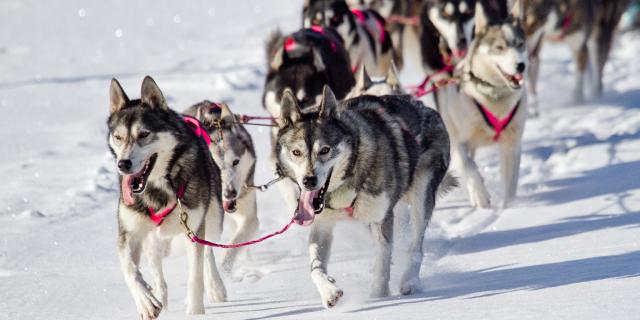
[162,163]
[446,31]
[304,62]
[363,32]
[233,152]
[356,159]
[489,106]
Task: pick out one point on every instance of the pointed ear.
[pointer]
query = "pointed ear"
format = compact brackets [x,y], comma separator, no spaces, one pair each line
[226,112]
[317,60]
[290,113]
[152,95]
[328,103]
[517,10]
[482,22]
[363,82]
[118,99]
[392,77]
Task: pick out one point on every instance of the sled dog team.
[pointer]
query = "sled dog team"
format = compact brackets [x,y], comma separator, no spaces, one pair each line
[349,141]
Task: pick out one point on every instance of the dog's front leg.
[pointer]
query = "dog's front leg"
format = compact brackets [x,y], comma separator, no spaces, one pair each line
[129,252]
[320,241]
[463,159]
[510,167]
[214,286]
[155,249]
[195,283]
[383,236]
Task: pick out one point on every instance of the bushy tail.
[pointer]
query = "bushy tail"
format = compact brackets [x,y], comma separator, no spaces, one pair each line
[272,44]
[449,182]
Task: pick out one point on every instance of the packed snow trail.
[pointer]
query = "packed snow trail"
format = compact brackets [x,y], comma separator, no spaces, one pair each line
[568,248]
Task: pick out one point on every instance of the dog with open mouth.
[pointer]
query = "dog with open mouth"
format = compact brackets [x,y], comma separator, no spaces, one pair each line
[232,150]
[164,167]
[489,106]
[355,160]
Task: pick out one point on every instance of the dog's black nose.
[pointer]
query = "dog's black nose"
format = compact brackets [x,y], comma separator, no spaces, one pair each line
[310,181]
[520,67]
[124,165]
[230,194]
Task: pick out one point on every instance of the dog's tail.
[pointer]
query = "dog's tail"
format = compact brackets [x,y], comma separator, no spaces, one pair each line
[272,44]
[449,182]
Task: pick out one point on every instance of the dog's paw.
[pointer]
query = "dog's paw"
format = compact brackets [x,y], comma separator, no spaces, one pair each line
[160,292]
[148,306]
[217,295]
[479,197]
[379,290]
[330,293]
[410,286]
[197,308]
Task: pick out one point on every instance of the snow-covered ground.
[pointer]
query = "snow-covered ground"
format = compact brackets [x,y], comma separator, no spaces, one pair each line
[569,247]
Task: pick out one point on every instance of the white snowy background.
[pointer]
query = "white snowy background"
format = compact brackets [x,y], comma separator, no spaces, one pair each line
[568,248]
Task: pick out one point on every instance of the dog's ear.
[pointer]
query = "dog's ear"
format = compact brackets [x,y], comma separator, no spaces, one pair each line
[151,94]
[363,82]
[118,99]
[517,11]
[481,19]
[392,77]
[290,110]
[317,60]
[226,112]
[328,103]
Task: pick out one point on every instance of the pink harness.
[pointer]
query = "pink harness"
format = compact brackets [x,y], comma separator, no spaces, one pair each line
[158,217]
[493,121]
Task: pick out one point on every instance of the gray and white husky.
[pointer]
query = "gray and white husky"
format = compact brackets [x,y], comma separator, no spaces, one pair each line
[363,32]
[356,159]
[586,26]
[232,150]
[489,106]
[160,160]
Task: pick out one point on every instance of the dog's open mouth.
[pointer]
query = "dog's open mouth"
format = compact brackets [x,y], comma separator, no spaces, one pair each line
[229,206]
[514,81]
[135,183]
[310,204]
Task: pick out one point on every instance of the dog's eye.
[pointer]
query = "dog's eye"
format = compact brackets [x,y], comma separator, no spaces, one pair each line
[325,150]
[235,162]
[500,47]
[143,134]
[117,137]
[296,152]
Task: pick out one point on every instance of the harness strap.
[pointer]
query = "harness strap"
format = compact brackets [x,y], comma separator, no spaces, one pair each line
[362,19]
[493,121]
[158,217]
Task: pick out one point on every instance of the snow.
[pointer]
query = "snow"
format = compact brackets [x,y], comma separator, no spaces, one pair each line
[568,248]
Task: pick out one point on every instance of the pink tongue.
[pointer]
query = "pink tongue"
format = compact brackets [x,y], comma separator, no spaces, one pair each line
[127,193]
[518,76]
[306,212]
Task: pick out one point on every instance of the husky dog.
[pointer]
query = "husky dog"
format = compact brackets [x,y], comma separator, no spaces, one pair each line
[233,152]
[446,32]
[489,106]
[389,85]
[363,32]
[356,159]
[587,27]
[162,162]
[304,62]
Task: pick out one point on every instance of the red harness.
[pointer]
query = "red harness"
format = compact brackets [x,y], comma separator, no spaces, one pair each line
[158,217]
[493,121]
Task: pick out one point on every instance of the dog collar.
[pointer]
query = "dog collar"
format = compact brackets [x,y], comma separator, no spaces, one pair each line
[158,217]
[493,121]
[197,128]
